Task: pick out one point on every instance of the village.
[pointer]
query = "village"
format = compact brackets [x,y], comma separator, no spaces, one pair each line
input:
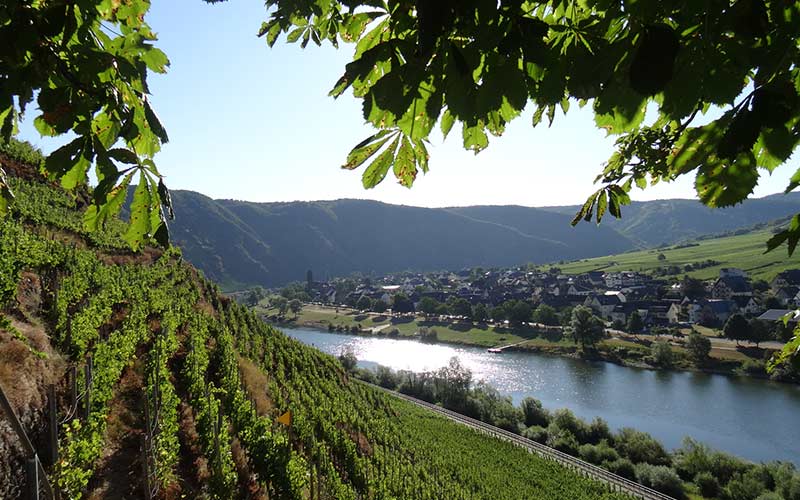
[481,295]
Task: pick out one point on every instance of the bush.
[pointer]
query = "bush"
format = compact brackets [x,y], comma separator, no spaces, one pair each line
[744,487]
[428,334]
[699,346]
[536,433]
[622,467]
[660,478]
[754,367]
[598,431]
[348,358]
[598,454]
[662,354]
[770,495]
[708,484]
[386,377]
[393,332]
[566,420]
[534,413]
[562,440]
[640,447]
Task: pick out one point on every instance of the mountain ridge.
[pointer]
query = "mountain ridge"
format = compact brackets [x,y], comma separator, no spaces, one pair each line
[239,243]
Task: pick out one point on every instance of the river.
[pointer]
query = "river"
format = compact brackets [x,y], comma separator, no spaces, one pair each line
[754,419]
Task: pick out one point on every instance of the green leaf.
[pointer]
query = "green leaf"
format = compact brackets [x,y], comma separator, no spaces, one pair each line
[377,170]
[155,59]
[475,139]
[586,209]
[602,203]
[789,354]
[98,214]
[447,122]
[166,197]
[155,123]
[405,164]
[619,109]
[724,183]
[139,224]
[124,156]
[695,146]
[774,147]
[421,153]
[364,150]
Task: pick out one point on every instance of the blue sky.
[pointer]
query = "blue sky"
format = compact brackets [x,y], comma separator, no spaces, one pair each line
[253,123]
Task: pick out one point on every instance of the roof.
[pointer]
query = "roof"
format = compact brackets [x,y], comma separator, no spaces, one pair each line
[721,306]
[735,283]
[790,275]
[778,314]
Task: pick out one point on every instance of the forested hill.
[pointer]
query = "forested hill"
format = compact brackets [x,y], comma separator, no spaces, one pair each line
[237,242]
[240,243]
[654,223]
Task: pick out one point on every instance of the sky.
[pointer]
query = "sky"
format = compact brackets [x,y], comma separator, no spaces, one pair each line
[252,123]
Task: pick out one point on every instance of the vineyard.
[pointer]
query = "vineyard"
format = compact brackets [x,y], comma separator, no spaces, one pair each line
[177,390]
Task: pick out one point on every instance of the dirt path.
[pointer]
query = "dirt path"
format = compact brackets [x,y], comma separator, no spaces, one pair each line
[118,472]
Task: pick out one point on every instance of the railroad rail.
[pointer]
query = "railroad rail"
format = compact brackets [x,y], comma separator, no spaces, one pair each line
[615,482]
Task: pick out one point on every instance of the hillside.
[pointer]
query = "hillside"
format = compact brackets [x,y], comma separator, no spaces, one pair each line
[660,222]
[239,243]
[185,388]
[744,251]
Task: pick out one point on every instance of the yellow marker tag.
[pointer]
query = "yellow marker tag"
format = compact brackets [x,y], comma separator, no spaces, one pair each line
[286,419]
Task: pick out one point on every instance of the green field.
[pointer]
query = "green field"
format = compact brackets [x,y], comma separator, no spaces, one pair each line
[745,252]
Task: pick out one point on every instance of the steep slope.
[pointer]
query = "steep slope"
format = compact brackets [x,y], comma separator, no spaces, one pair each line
[654,223]
[185,389]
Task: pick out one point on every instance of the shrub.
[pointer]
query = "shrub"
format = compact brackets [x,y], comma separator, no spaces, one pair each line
[534,413]
[622,467]
[562,440]
[386,377]
[393,332]
[660,478]
[536,433]
[770,495]
[597,454]
[428,334]
[566,420]
[598,431]
[662,354]
[708,484]
[640,447]
[744,487]
[754,367]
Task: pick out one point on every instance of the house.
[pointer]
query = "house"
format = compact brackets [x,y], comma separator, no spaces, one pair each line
[789,277]
[622,312]
[615,281]
[701,311]
[676,313]
[747,305]
[786,294]
[731,286]
[603,304]
[720,309]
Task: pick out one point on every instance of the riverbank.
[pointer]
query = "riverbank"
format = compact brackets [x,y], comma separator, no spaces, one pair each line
[620,349]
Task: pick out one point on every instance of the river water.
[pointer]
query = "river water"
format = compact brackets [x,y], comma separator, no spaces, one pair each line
[755,419]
